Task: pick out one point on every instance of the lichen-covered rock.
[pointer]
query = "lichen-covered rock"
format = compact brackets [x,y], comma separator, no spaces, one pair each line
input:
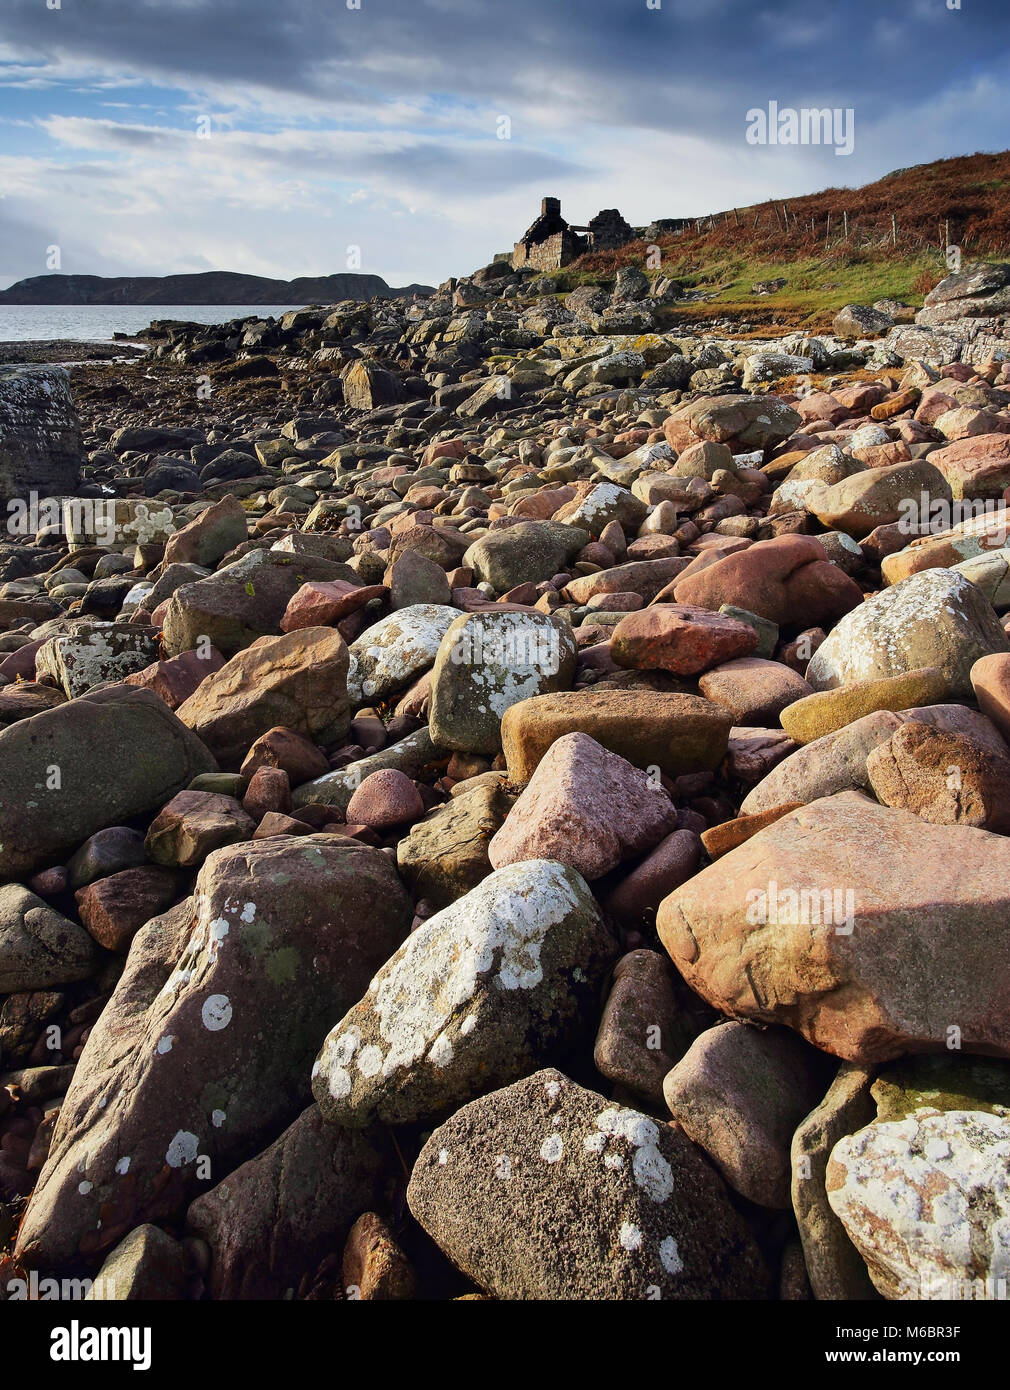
[40,433]
[501,981]
[926,1200]
[488,662]
[94,654]
[545,1190]
[395,650]
[204,1051]
[528,552]
[935,618]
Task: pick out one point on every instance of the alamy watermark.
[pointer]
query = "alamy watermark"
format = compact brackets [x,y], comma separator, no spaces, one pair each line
[518,647]
[810,125]
[774,906]
[925,515]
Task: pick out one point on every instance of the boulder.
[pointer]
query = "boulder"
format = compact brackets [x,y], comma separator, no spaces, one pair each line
[739,1092]
[445,855]
[298,680]
[926,1201]
[39,947]
[529,551]
[40,434]
[396,650]
[679,638]
[744,422]
[676,733]
[936,618]
[273,1221]
[55,787]
[838,920]
[500,982]
[783,579]
[488,662]
[203,1053]
[946,778]
[585,807]
[545,1190]
[210,536]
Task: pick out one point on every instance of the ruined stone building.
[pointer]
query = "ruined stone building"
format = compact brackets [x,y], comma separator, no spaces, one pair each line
[551,243]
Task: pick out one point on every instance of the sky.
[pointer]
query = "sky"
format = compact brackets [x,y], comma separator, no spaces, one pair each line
[413,139]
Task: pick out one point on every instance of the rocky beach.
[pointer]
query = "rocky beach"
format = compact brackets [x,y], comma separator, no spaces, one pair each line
[502,797]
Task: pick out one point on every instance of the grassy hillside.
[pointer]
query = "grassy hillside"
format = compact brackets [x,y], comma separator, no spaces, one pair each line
[804,242]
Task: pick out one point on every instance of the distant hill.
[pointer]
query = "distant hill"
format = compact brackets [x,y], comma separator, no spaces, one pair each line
[827,249]
[212,287]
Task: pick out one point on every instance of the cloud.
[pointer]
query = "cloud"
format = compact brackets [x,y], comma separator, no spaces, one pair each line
[379,126]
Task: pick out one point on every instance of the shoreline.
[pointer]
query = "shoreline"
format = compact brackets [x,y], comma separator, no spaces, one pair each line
[38,351]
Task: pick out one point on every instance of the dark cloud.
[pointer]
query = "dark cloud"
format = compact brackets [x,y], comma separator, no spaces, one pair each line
[690,65]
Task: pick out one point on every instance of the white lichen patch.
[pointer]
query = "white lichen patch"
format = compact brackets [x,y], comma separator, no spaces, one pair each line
[669,1256]
[183,1149]
[649,1168]
[216,1012]
[552,1148]
[630,1236]
[926,1200]
[427,1000]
